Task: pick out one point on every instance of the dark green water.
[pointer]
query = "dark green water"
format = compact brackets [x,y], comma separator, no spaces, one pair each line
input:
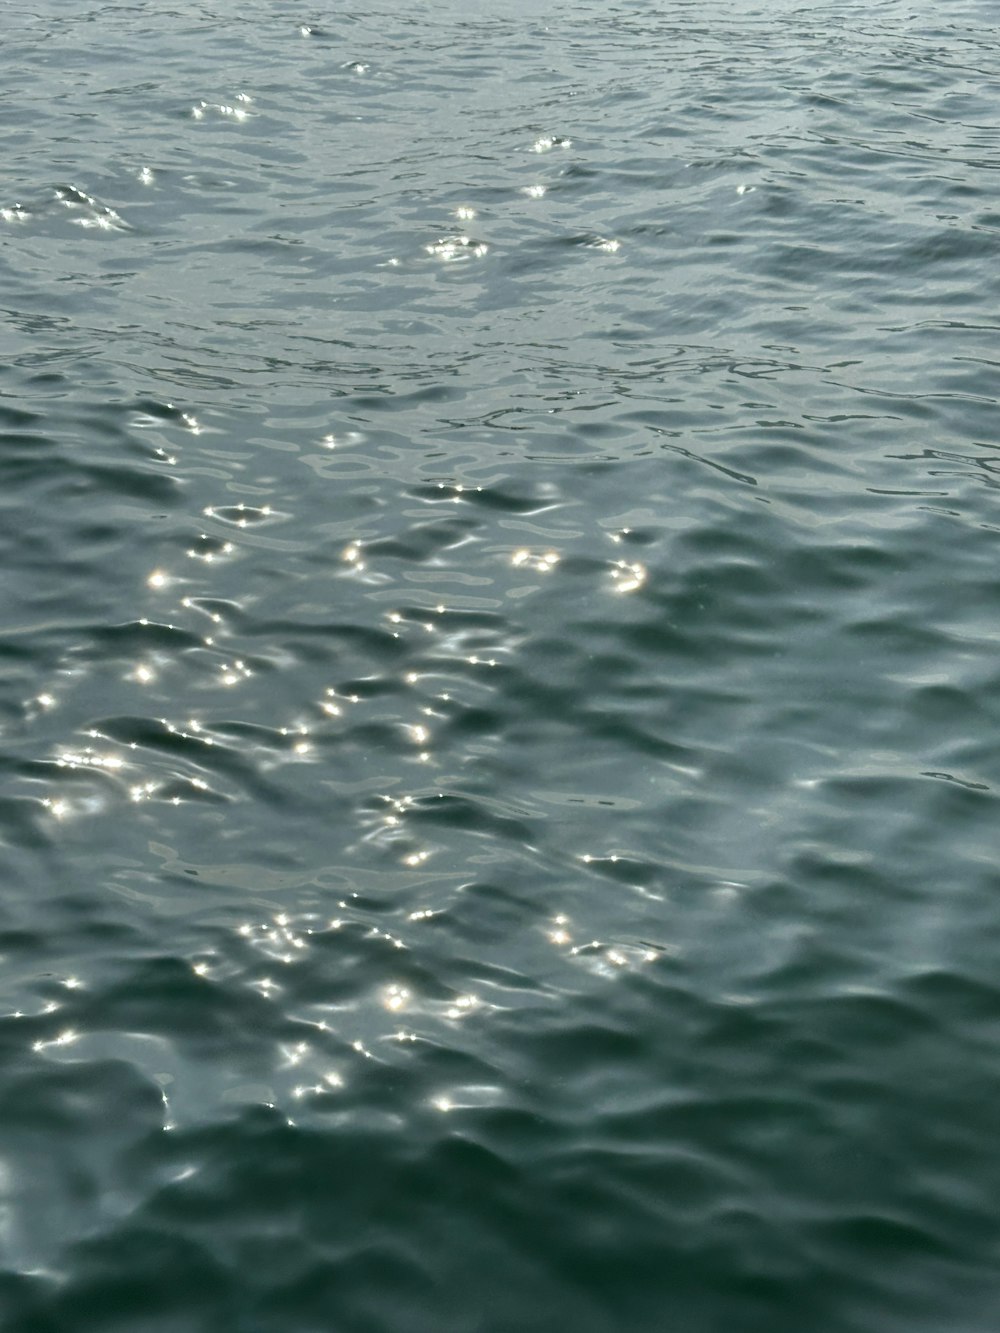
[500,668]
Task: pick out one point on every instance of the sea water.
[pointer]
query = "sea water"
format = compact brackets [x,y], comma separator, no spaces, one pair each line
[500,667]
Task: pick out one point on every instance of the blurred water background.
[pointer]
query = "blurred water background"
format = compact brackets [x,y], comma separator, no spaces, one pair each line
[500,667]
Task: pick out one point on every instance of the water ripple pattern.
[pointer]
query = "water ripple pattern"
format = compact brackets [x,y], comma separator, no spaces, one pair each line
[499,687]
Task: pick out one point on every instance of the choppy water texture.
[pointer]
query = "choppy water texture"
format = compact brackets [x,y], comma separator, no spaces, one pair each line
[500,668]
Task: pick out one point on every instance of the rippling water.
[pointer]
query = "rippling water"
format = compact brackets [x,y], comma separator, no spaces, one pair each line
[500,667]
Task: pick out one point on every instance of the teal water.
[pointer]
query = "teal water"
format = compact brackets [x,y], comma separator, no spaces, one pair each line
[499,668]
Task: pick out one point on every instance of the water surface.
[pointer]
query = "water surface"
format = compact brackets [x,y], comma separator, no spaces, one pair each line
[500,668]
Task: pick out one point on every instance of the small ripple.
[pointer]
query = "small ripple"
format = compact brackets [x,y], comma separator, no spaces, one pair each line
[456,248]
[237,110]
[545,143]
[88,211]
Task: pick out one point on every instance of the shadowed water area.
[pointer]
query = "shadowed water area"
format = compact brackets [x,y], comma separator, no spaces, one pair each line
[500,668]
